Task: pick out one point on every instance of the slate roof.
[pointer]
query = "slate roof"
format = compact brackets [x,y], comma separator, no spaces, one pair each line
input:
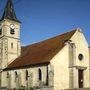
[42,52]
[9,12]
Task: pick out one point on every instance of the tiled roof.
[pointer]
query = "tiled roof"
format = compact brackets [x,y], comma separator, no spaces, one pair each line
[42,52]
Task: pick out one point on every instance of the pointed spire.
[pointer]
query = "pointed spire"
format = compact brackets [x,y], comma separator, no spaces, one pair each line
[9,12]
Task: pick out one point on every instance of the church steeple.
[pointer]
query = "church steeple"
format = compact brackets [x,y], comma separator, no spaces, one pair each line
[9,12]
[10,47]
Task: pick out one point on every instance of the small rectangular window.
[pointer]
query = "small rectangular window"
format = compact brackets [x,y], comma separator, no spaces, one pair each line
[11,45]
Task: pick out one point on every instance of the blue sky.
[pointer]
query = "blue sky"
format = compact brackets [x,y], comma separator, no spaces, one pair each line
[42,19]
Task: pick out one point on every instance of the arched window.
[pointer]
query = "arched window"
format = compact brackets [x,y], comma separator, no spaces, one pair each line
[26,74]
[16,75]
[8,80]
[39,74]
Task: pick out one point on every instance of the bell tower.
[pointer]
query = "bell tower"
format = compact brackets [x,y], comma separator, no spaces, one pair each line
[10,47]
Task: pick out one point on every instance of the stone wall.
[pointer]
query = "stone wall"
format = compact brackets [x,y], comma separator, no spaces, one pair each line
[17,78]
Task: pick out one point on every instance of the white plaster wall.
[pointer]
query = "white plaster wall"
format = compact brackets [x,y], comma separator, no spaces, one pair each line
[82,47]
[61,70]
[61,63]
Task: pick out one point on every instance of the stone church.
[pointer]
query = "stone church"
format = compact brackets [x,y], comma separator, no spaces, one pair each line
[61,62]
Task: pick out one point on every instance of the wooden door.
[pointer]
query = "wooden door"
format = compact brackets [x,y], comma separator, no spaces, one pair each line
[80,78]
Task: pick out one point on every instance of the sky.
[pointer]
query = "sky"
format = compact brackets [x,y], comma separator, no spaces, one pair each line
[43,19]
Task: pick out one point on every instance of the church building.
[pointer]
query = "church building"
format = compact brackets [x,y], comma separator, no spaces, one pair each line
[59,63]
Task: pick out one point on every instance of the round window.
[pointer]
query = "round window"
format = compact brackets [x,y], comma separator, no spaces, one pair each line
[80,56]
